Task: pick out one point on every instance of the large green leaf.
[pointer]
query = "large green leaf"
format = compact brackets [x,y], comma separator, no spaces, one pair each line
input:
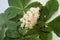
[12,12]
[18,3]
[23,4]
[55,24]
[4,22]
[53,6]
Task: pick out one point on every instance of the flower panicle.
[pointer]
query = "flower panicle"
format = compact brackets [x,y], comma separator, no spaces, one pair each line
[30,18]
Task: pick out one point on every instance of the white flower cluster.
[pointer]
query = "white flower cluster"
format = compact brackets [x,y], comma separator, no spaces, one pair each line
[30,18]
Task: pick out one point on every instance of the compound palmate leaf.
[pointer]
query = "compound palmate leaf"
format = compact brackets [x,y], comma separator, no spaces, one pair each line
[55,24]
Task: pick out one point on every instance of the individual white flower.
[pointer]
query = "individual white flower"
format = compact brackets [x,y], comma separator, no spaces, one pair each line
[30,18]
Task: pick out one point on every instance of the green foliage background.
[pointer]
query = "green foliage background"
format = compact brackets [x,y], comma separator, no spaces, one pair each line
[10,21]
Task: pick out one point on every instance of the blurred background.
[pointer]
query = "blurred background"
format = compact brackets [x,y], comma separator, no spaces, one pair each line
[4,5]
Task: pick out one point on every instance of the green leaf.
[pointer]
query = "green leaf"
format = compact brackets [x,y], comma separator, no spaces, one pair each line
[45,36]
[25,2]
[32,31]
[4,22]
[12,12]
[23,5]
[2,31]
[46,29]
[18,3]
[22,31]
[12,34]
[43,17]
[34,4]
[44,14]
[15,3]
[7,38]
[11,25]
[3,19]
[53,6]
[33,37]
[55,24]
